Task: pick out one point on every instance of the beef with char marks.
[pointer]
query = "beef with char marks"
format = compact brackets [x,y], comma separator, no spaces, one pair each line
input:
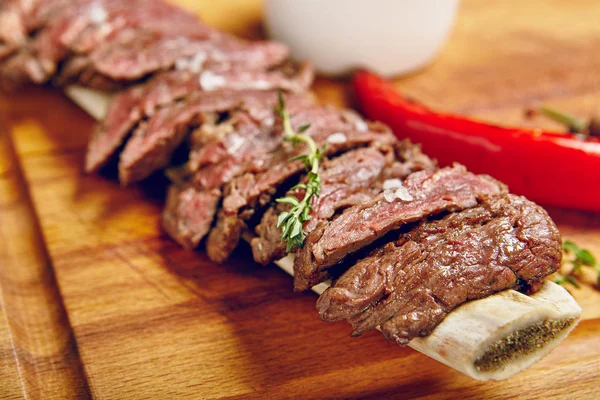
[221,150]
[139,102]
[253,190]
[408,287]
[422,194]
[351,179]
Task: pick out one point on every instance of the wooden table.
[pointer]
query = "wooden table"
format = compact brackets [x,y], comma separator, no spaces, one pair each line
[97,302]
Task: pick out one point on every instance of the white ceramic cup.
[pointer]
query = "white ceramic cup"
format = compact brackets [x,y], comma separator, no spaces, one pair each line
[390,37]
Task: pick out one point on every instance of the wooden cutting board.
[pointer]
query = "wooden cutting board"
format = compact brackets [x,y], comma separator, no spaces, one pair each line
[96,301]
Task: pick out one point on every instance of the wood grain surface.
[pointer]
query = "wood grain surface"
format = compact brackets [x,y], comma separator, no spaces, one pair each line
[97,302]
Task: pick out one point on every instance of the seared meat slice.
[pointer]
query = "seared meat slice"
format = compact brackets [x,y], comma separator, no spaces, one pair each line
[155,140]
[85,26]
[114,43]
[133,55]
[351,179]
[152,144]
[221,152]
[189,213]
[253,190]
[130,106]
[345,180]
[408,287]
[422,194]
[105,19]
[133,105]
[13,33]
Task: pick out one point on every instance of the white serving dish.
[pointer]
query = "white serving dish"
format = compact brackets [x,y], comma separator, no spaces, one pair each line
[390,37]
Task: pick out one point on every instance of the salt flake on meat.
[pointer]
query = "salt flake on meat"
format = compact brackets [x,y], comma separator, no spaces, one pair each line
[97,13]
[236,143]
[337,138]
[196,63]
[402,194]
[392,184]
[389,195]
[210,81]
[361,126]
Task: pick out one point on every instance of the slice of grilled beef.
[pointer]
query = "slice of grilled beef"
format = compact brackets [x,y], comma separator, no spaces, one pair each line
[189,213]
[408,287]
[106,19]
[134,56]
[152,144]
[155,140]
[115,43]
[22,25]
[339,130]
[348,180]
[87,26]
[345,181]
[221,151]
[422,194]
[13,32]
[140,102]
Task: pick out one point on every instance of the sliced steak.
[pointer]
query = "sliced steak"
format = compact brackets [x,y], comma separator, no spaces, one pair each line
[189,213]
[226,155]
[13,33]
[423,194]
[80,27]
[110,17]
[139,102]
[254,189]
[408,287]
[345,181]
[130,106]
[154,142]
[351,179]
[115,43]
[289,77]
[223,150]
[135,55]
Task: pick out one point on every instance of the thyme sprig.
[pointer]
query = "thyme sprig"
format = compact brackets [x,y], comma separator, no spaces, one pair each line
[291,221]
[580,258]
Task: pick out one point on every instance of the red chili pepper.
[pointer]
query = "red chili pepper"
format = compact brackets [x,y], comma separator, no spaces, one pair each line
[548,167]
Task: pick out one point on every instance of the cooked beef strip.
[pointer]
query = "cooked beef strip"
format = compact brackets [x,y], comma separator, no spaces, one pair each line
[134,56]
[155,140]
[116,43]
[408,287]
[110,17]
[152,144]
[254,189]
[189,213]
[130,106]
[348,180]
[227,156]
[139,102]
[345,180]
[38,13]
[84,26]
[13,33]
[222,151]
[423,194]
[120,19]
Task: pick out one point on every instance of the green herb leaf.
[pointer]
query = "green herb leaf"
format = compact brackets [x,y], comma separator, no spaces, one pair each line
[574,124]
[291,221]
[303,128]
[288,200]
[586,258]
[281,218]
[581,257]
